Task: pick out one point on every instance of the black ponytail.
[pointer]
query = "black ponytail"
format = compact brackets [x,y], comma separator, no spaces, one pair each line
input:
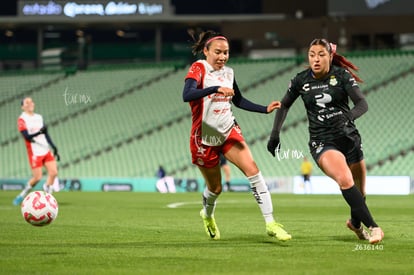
[201,40]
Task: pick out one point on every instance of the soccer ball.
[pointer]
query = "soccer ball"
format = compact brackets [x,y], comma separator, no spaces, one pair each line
[39,208]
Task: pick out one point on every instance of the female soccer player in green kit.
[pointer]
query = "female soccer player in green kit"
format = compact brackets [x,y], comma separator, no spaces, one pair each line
[335,143]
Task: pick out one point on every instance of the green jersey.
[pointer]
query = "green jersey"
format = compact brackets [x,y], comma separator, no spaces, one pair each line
[326,102]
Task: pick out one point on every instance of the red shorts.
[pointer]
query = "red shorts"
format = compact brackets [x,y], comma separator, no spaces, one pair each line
[39,161]
[209,156]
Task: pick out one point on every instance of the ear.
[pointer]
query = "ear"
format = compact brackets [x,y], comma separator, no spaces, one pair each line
[205,51]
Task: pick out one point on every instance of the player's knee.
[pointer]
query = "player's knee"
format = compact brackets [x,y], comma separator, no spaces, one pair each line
[251,170]
[216,189]
[36,178]
[53,173]
[344,181]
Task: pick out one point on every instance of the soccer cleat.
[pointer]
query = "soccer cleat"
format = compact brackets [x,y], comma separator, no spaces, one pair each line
[376,235]
[18,200]
[275,229]
[361,233]
[210,226]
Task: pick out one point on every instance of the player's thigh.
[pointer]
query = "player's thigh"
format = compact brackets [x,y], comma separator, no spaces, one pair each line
[37,173]
[51,168]
[239,154]
[333,164]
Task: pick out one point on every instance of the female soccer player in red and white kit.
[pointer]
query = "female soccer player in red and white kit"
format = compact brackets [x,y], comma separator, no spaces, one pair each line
[211,89]
[37,141]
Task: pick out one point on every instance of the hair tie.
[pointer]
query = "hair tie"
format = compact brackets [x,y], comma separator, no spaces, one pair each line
[333,47]
[215,38]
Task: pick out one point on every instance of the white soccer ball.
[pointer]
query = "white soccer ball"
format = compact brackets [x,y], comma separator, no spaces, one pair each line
[39,208]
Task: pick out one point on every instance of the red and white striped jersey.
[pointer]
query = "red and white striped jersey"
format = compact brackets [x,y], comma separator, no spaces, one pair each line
[33,123]
[212,118]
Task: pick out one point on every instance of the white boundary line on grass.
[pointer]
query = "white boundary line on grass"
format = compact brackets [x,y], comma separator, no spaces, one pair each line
[180,204]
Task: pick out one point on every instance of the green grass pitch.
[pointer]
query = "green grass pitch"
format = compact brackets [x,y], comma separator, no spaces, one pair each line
[141,233]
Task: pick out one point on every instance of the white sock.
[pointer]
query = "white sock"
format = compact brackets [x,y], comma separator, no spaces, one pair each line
[262,196]
[26,190]
[209,202]
[50,189]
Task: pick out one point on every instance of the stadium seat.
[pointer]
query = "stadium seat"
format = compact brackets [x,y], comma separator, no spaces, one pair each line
[136,119]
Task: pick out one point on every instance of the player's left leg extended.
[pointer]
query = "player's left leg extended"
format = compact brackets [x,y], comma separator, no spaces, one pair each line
[239,154]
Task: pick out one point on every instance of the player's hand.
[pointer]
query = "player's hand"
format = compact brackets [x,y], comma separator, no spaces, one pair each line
[225,91]
[273,145]
[56,154]
[43,130]
[273,105]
